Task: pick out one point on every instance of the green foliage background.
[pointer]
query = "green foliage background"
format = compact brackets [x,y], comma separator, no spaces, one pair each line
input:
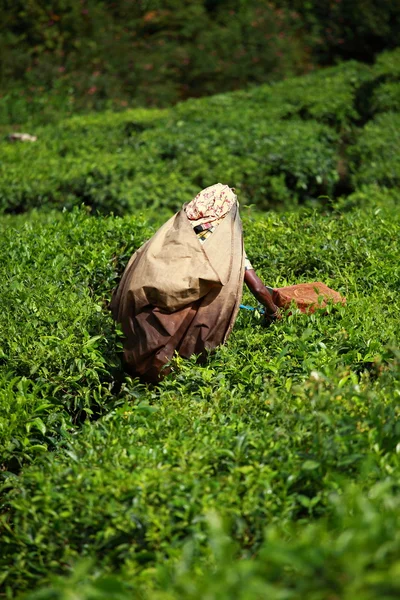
[273,470]
[280,145]
[69,55]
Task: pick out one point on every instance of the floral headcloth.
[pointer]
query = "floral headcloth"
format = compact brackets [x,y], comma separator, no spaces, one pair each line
[211,204]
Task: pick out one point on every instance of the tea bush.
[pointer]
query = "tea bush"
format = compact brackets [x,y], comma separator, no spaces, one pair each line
[302,561]
[387,97]
[328,96]
[165,165]
[388,65]
[55,355]
[130,489]
[376,157]
[274,424]
[288,148]
[111,486]
[373,155]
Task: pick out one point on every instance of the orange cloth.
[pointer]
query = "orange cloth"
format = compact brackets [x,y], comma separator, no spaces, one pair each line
[307,296]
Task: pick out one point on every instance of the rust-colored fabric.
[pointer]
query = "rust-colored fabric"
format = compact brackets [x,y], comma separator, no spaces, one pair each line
[177,294]
[307,296]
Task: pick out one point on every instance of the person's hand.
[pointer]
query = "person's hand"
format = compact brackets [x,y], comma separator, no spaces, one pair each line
[274,316]
[263,295]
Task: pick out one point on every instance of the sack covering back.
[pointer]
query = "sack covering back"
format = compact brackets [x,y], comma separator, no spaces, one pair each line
[178,295]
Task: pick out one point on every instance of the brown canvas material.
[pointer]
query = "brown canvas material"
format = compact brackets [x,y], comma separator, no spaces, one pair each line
[178,295]
[307,296]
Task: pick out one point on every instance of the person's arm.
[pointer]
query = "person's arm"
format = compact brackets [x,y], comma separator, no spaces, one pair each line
[258,289]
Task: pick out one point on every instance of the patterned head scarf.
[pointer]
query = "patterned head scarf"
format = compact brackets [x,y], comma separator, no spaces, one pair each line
[211,204]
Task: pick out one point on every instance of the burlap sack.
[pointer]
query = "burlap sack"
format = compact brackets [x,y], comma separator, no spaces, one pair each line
[178,295]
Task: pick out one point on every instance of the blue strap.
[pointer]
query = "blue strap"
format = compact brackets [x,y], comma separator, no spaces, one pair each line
[260,310]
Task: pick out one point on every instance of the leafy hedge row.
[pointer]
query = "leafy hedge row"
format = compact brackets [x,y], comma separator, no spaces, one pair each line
[294,562]
[57,356]
[58,345]
[278,145]
[269,432]
[376,156]
[328,96]
[166,168]
[131,489]
[263,434]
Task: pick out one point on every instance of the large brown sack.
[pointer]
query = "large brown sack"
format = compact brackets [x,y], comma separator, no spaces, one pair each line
[307,296]
[178,295]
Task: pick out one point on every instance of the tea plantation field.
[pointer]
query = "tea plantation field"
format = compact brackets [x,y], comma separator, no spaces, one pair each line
[280,145]
[274,470]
